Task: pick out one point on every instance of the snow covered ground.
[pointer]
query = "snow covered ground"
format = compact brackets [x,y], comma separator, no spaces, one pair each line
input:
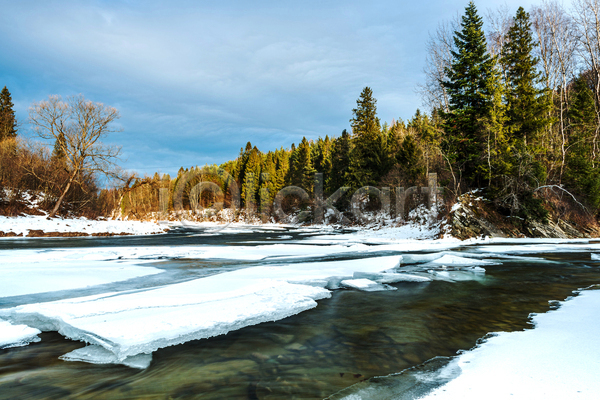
[559,359]
[23,224]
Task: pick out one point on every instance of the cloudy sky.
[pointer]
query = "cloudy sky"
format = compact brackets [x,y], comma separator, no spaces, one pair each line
[195,80]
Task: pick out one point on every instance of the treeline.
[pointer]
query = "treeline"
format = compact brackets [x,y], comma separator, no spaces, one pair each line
[396,155]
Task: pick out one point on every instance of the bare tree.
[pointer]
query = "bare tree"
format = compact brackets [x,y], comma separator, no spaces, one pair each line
[499,20]
[587,22]
[439,56]
[556,30]
[77,125]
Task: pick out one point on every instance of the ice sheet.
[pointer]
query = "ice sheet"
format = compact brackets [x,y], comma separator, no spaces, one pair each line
[19,277]
[559,359]
[16,335]
[139,322]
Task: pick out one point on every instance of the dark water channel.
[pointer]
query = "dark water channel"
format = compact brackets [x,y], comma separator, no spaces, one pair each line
[348,338]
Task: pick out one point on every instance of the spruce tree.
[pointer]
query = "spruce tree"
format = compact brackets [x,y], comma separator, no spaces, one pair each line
[250,184]
[468,87]
[581,176]
[526,103]
[8,121]
[305,167]
[369,158]
[340,162]
[58,153]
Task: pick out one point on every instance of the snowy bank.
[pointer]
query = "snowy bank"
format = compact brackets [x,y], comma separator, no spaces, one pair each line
[32,224]
[559,359]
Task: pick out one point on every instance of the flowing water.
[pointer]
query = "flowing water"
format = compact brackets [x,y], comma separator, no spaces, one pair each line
[349,338]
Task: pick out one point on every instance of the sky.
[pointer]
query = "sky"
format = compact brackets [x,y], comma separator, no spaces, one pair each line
[195,80]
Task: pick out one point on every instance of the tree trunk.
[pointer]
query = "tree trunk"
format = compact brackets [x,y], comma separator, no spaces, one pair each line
[62,196]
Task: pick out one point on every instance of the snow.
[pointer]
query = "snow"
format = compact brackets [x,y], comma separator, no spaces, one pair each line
[390,277]
[449,259]
[559,359]
[36,271]
[365,285]
[17,335]
[23,224]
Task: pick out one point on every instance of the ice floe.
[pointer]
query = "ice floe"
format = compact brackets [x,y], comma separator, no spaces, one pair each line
[17,335]
[21,276]
[142,321]
[366,285]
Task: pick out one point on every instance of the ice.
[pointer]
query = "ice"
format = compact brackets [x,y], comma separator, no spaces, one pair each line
[365,285]
[595,256]
[28,272]
[391,277]
[559,359]
[17,335]
[142,253]
[99,355]
[451,260]
[142,321]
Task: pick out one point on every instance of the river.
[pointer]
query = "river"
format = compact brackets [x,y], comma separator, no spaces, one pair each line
[351,337]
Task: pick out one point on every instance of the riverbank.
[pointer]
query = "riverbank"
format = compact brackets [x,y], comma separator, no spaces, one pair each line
[41,226]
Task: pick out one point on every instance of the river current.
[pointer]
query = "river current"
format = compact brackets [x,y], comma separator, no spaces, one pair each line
[351,337]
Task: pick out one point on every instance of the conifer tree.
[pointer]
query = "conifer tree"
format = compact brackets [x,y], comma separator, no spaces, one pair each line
[58,153]
[580,174]
[369,158]
[527,104]
[8,121]
[468,87]
[305,166]
[282,166]
[340,162]
[250,184]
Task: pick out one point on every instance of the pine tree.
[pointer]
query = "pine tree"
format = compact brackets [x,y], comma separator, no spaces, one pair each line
[8,121]
[305,166]
[369,159]
[340,162]
[58,153]
[527,105]
[250,184]
[468,87]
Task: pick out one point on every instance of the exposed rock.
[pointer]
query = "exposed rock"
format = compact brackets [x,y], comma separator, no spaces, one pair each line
[473,216]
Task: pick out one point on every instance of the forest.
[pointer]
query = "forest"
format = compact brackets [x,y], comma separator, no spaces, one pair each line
[514,111]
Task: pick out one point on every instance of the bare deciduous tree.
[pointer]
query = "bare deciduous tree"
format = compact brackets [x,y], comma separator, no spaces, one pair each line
[555,30]
[587,22]
[77,125]
[500,20]
[439,56]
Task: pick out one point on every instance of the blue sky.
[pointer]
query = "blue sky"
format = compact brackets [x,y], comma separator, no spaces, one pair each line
[195,80]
